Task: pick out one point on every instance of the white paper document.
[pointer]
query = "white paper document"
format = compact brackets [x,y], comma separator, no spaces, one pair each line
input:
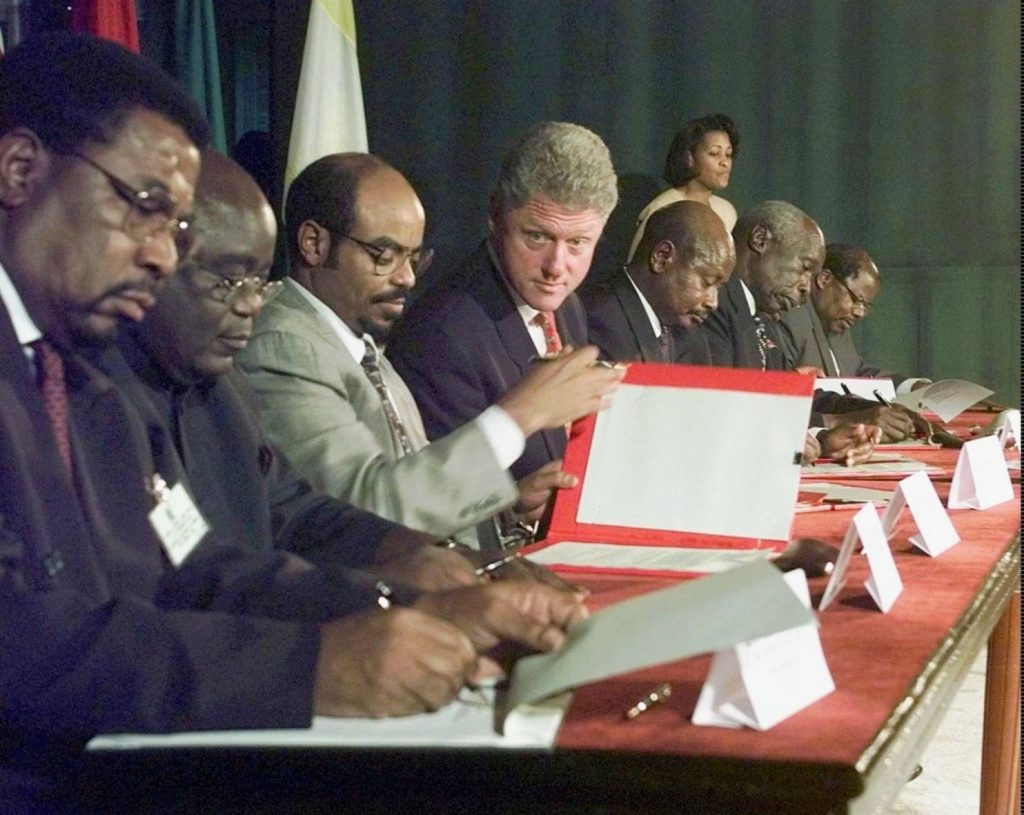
[761,682]
[858,386]
[679,459]
[465,722]
[936,532]
[842,494]
[887,464]
[947,398]
[620,557]
[981,479]
[696,617]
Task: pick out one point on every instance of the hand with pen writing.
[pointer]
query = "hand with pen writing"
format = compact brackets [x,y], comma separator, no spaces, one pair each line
[530,615]
[895,422]
[849,444]
[390,663]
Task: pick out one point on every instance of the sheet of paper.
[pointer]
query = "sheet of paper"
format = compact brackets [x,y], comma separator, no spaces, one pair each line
[947,398]
[936,533]
[649,558]
[696,617]
[842,494]
[858,386]
[465,722]
[981,479]
[761,682]
[886,465]
[690,480]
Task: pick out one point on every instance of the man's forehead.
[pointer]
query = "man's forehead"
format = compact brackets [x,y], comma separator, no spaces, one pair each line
[545,212]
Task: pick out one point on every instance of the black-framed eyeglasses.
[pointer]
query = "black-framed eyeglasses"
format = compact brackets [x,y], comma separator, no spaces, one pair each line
[232,289]
[858,301]
[148,210]
[389,259]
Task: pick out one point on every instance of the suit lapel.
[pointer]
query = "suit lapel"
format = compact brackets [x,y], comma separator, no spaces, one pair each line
[636,316]
[822,343]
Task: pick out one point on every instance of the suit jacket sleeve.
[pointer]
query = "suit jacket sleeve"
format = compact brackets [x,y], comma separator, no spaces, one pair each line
[310,409]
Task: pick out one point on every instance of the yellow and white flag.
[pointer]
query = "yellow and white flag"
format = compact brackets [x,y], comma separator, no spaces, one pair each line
[329,115]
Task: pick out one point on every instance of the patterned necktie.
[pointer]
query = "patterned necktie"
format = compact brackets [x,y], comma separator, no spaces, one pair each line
[371,365]
[762,340]
[552,342]
[50,375]
[665,344]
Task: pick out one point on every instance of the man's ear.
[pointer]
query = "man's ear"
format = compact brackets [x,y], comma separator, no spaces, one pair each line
[314,243]
[822,279]
[24,161]
[663,255]
[759,238]
[494,213]
[689,159]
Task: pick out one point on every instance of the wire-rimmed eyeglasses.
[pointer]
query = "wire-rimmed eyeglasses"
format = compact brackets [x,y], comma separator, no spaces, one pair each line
[148,210]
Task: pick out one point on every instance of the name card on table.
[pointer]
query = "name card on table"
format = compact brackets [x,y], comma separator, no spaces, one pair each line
[761,682]
[884,583]
[936,531]
[1005,426]
[981,479]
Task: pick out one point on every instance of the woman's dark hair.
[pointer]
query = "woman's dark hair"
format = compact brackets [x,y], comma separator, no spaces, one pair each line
[688,138]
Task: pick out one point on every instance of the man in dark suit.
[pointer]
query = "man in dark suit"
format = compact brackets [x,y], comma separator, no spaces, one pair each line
[472,337]
[779,249]
[118,611]
[670,287]
[819,331]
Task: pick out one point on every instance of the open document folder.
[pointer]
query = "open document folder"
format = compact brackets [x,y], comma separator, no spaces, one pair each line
[694,617]
[690,470]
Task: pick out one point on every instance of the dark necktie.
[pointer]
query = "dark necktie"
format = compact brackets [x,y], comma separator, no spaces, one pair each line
[371,365]
[50,375]
[552,342]
[762,340]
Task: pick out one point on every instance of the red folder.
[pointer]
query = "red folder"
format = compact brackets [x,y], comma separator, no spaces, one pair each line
[566,524]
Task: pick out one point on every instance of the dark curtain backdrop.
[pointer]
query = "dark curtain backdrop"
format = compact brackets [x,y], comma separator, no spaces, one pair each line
[894,123]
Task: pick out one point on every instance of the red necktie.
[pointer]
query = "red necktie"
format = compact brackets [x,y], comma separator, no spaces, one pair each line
[50,371]
[552,342]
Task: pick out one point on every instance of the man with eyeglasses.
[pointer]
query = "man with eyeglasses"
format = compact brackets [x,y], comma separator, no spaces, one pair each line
[841,294]
[331,400]
[118,610]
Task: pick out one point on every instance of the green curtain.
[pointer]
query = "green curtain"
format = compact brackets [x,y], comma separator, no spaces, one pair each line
[196,63]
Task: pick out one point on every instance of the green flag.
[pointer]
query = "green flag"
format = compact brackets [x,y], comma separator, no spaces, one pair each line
[196,63]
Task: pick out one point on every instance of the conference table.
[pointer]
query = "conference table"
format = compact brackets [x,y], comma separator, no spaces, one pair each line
[850,752]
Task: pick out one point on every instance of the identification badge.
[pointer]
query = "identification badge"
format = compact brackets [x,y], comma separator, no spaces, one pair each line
[175,519]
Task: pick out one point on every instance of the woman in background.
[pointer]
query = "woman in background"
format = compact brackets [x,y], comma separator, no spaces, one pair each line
[698,165]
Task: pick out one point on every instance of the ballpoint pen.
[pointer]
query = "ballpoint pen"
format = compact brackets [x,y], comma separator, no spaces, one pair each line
[846,389]
[494,565]
[882,400]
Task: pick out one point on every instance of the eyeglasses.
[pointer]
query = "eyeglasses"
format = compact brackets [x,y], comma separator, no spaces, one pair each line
[148,210]
[230,290]
[858,301]
[388,259]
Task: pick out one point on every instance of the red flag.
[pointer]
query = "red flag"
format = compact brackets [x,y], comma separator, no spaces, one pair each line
[111,19]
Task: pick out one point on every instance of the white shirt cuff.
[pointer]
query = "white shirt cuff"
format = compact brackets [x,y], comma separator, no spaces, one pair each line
[907,385]
[815,431]
[503,435]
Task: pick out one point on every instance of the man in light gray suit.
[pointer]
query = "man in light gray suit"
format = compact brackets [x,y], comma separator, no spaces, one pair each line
[334,403]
